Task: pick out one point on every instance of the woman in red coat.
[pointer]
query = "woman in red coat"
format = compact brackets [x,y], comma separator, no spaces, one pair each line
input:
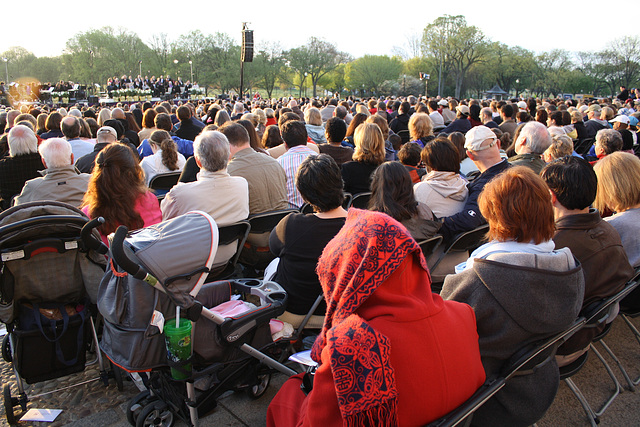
[390,351]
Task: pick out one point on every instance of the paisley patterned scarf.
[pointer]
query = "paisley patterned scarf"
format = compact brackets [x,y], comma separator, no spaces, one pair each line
[367,250]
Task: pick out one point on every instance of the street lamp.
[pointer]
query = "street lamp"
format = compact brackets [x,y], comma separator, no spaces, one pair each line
[175,61]
[517,83]
[304,82]
[140,68]
[6,69]
[191,65]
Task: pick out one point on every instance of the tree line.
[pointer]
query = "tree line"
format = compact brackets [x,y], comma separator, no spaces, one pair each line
[458,58]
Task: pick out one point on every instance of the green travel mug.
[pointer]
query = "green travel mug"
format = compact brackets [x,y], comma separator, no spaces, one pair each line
[178,341]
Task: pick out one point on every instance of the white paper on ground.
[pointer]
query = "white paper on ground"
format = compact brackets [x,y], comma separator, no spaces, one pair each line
[303,357]
[47,415]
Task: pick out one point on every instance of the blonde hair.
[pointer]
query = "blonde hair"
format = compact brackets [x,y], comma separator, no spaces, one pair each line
[361,108]
[420,125]
[369,144]
[618,182]
[313,117]
[560,146]
[262,117]
[382,124]
[103,116]
[606,113]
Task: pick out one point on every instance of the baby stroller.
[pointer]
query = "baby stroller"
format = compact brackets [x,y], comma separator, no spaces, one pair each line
[48,283]
[151,272]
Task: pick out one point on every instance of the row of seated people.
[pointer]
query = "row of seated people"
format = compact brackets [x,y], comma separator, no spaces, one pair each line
[117,184]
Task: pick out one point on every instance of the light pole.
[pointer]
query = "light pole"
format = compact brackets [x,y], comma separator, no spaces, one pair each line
[191,65]
[517,83]
[140,68]
[6,69]
[175,61]
[304,82]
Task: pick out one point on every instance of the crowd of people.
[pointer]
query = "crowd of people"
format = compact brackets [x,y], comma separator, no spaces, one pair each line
[557,182]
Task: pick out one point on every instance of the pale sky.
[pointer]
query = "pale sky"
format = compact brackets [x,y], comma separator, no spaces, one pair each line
[355,27]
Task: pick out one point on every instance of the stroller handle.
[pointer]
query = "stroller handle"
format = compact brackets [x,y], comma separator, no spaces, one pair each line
[90,241]
[121,258]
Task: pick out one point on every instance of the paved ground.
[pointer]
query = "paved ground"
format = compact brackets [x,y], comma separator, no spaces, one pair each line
[94,405]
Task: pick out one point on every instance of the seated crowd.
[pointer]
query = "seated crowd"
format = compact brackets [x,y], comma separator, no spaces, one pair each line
[563,227]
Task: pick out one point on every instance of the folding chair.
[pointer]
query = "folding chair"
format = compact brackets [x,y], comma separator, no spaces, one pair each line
[597,314]
[163,182]
[523,362]
[228,234]
[429,246]
[465,242]
[260,224]
[360,200]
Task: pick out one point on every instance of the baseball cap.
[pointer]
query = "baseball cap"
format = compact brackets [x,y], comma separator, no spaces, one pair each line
[522,106]
[476,136]
[463,109]
[443,102]
[620,119]
[633,121]
[106,130]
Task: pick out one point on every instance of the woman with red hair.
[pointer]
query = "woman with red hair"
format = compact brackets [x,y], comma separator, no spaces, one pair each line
[521,289]
[391,352]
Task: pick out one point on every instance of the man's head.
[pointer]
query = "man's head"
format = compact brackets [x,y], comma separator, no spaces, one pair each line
[335,129]
[404,108]
[106,134]
[620,122]
[506,111]
[593,111]
[482,147]
[211,150]
[237,136]
[572,182]
[534,138]
[22,140]
[607,141]
[70,127]
[11,117]
[340,112]
[294,133]
[183,113]
[117,113]
[56,153]
[433,105]
[162,121]
[486,115]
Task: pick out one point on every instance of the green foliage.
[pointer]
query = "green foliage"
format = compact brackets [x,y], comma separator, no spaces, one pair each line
[371,71]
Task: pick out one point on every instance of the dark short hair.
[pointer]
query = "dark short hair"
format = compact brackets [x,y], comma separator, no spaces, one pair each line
[319,181]
[235,133]
[163,121]
[409,154]
[507,110]
[183,113]
[70,130]
[405,107]
[572,180]
[294,133]
[556,116]
[336,129]
[441,155]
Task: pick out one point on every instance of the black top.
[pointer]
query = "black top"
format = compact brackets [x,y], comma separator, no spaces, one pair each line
[339,153]
[357,176]
[299,241]
[15,171]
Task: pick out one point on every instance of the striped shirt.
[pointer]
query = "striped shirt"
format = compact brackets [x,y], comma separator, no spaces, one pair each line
[290,161]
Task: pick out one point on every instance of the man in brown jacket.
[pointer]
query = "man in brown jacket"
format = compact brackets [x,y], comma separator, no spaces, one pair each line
[594,242]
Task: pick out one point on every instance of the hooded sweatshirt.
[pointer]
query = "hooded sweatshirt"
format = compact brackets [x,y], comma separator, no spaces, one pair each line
[444,192]
[519,298]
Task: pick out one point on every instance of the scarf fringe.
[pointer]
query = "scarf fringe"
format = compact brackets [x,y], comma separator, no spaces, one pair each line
[383,415]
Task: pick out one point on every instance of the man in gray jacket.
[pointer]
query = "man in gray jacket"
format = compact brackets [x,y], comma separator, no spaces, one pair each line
[61,181]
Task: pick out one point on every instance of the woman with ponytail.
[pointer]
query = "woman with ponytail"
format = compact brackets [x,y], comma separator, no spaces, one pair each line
[165,157]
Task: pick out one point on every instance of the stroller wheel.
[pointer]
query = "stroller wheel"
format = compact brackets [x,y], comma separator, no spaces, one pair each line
[9,404]
[137,404]
[6,349]
[155,414]
[258,390]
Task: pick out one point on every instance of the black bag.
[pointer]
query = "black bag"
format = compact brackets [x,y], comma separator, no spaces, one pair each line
[48,348]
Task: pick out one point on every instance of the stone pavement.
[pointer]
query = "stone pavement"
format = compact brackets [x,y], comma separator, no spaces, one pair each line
[92,404]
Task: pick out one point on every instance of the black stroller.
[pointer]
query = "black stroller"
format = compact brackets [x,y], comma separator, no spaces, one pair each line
[48,284]
[151,272]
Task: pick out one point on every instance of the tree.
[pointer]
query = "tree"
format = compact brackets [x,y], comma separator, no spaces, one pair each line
[456,46]
[626,59]
[317,58]
[268,65]
[553,70]
[19,63]
[160,46]
[370,71]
